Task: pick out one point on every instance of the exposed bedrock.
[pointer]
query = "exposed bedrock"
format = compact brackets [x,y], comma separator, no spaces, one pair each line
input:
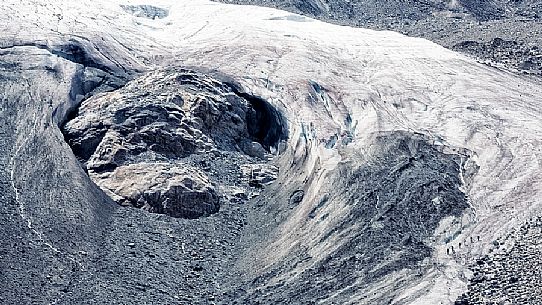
[149,128]
[175,190]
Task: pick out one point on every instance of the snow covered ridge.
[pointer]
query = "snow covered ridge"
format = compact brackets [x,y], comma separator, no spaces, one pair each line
[368,114]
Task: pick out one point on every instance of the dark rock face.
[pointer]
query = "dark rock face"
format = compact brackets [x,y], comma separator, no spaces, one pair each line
[265,124]
[145,131]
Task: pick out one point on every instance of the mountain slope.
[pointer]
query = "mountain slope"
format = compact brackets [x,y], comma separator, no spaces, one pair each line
[401,160]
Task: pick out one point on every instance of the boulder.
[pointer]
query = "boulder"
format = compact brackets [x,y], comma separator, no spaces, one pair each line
[259,175]
[171,189]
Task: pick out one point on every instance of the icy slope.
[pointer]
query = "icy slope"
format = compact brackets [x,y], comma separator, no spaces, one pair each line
[351,97]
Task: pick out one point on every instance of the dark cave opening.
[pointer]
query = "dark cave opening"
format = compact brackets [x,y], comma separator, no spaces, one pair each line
[265,124]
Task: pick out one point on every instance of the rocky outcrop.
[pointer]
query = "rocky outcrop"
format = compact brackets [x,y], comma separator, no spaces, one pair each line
[178,191]
[133,141]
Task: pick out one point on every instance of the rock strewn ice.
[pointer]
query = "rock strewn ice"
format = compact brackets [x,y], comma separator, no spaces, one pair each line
[498,32]
[367,113]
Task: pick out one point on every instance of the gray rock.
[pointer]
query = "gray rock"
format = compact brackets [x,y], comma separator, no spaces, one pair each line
[254,149]
[178,191]
[145,130]
[296,197]
[259,174]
